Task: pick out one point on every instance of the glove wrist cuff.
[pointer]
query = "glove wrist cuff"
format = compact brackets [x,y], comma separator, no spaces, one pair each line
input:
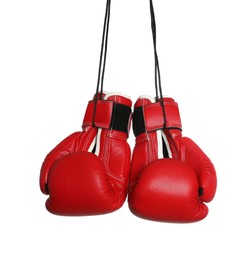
[108,115]
[150,117]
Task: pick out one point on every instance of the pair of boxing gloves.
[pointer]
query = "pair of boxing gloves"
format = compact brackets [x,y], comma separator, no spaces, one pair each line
[168,178]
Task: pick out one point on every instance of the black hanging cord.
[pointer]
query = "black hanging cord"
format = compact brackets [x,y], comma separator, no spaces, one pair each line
[103,55]
[158,86]
[157,70]
[104,46]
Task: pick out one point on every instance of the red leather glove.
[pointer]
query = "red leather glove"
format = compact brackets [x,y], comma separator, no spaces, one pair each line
[171,177]
[87,173]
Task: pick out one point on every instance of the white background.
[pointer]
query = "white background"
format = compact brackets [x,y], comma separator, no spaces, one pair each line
[49,52]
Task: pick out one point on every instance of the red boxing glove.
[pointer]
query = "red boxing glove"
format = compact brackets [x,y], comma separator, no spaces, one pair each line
[171,176]
[87,173]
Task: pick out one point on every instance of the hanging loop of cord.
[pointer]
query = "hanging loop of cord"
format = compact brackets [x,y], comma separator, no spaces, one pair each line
[103,56]
[158,87]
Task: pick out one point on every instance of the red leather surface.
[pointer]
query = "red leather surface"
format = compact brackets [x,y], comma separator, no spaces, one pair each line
[102,116]
[120,99]
[167,190]
[202,166]
[79,185]
[153,115]
[78,141]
